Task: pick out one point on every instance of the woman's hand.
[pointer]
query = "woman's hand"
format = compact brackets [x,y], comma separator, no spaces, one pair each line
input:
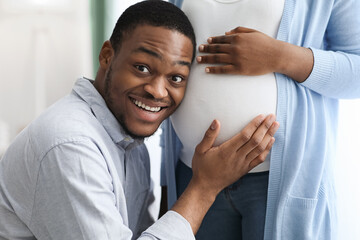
[249,52]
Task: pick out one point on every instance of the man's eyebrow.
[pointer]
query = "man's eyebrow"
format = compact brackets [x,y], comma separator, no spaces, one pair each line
[148,51]
[184,63]
[157,55]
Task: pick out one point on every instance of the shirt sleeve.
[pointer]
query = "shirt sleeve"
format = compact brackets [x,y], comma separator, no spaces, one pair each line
[75,199]
[170,226]
[336,68]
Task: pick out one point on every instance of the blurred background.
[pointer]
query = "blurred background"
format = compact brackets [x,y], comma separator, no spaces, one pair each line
[47,44]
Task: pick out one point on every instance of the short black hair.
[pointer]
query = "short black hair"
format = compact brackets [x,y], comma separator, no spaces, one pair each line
[154,13]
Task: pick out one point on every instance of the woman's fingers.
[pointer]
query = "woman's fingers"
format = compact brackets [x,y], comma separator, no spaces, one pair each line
[215,58]
[220,39]
[240,30]
[215,48]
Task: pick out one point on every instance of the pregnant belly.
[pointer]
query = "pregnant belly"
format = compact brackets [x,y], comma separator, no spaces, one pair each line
[232,99]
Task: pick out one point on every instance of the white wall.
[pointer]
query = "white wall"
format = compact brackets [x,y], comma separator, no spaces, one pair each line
[45,46]
[348,170]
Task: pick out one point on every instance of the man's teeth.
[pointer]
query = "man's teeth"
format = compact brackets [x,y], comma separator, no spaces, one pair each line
[148,108]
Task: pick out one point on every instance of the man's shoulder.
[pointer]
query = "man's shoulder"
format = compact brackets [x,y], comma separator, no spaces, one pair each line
[69,119]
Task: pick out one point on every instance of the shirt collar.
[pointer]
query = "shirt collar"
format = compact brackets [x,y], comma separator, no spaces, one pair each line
[85,89]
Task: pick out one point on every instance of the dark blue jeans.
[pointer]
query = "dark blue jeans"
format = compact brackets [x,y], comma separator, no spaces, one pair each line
[238,212]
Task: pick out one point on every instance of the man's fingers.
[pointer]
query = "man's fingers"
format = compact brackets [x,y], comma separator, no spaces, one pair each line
[258,137]
[245,135]
[209,137]
[261,158]
[264,144]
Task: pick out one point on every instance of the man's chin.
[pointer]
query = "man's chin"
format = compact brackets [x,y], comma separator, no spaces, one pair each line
[135,134]
[136,130]
[138,136]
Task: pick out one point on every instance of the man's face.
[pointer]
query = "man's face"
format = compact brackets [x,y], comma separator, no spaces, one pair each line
[145,81]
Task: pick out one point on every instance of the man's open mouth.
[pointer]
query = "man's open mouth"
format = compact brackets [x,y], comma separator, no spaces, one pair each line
[145,107]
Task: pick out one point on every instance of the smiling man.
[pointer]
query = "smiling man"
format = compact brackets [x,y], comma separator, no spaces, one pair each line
[146,82]
[81,170]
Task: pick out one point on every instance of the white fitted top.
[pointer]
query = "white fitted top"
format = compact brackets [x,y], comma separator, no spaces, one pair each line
[232,99]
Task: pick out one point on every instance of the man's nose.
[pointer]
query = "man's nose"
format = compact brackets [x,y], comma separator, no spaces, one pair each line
[157,87]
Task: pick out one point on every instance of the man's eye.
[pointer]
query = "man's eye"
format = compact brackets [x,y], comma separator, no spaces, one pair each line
[142,68]
[177,79]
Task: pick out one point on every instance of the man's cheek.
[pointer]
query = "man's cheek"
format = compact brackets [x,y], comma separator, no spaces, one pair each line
[181,96]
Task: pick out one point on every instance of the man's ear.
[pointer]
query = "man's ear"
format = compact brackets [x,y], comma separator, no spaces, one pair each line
[106,55]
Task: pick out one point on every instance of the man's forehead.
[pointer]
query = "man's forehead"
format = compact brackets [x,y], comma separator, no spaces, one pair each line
[154,40]
[146,32]
[149,31]
[143,30]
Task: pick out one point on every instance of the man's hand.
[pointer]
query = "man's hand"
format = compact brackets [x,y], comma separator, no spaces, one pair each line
[249,52]
[214,168]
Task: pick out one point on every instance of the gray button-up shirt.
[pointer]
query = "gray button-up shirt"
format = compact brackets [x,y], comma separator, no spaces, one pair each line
[74,174]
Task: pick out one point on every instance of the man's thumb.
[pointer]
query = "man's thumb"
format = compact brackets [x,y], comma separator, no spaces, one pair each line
[209,137]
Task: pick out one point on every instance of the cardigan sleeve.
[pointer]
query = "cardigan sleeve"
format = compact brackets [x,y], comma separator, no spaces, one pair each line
[336,70]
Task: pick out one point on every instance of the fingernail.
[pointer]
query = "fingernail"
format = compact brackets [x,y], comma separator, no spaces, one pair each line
[207,70]
[277,125]
[213,125]
[201,48]
[198,59]
[209,40]
[273,117]
[270,121]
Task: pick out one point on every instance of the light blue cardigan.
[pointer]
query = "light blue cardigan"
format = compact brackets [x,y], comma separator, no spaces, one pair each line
[301,196]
